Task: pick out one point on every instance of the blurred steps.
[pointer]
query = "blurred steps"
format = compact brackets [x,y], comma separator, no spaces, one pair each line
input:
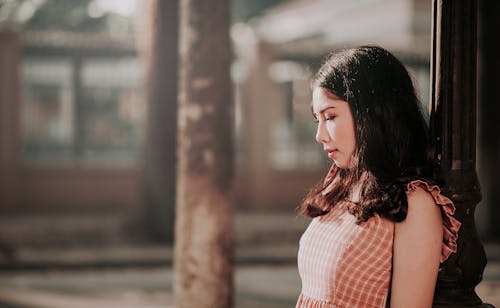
[110,228]
[97,241]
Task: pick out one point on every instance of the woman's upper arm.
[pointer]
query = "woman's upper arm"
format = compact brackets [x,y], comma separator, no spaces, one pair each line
[417,251]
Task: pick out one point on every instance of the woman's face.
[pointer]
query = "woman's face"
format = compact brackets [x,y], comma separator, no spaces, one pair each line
[335,126]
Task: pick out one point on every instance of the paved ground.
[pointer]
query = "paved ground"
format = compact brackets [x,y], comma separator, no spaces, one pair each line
[132,276]
[256,286]
[263,286]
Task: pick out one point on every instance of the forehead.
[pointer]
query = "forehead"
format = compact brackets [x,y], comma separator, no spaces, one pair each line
[322,99]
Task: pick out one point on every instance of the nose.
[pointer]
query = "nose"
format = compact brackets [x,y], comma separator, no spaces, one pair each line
[321,133]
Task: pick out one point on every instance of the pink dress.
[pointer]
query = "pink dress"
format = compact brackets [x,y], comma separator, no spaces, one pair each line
[343,264]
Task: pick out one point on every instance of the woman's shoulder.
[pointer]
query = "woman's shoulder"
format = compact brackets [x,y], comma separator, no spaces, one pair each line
[420,196]
[423,215]
[428,207]
[424,193]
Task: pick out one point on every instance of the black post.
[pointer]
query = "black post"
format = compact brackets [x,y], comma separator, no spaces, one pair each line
[79,116]
[159,167]
[453,129]
[488,111]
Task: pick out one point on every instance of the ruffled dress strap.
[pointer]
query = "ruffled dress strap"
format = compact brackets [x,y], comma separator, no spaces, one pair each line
[450,224]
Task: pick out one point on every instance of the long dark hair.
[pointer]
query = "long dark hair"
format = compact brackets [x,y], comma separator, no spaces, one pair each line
[391,135]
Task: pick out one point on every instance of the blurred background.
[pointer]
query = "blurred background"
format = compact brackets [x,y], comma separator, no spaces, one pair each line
[79,225]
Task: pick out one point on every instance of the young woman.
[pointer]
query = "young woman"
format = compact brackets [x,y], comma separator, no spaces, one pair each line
[380,226]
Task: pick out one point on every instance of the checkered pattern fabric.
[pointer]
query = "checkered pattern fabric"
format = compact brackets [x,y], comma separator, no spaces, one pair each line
[342,264]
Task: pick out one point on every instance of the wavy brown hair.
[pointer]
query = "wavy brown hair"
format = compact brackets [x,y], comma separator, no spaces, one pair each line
[391,135]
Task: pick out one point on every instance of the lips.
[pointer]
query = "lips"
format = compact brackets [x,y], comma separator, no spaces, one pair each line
[331,152]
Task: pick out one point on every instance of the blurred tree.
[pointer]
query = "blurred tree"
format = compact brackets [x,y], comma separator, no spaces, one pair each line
[203,237]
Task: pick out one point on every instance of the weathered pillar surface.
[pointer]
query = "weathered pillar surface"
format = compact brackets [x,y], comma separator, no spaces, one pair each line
[203,239]
[453,129]
[159,172]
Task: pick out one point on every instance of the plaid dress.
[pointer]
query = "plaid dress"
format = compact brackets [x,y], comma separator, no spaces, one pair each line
[343,264]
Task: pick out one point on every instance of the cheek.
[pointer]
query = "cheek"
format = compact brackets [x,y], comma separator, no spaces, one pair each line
[353,142]
[347,135]
[352,137]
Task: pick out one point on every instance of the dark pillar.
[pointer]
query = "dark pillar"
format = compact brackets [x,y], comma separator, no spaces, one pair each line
[10,62]
[79,115]
[203,237]
[489,109]
[159,169]
[453,129]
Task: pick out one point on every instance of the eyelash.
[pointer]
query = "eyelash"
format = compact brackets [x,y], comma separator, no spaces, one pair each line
[327,118]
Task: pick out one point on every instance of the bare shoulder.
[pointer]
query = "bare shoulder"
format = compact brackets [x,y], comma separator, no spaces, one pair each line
[424,216]
[423,226]
[418,195]
[423,213]
[417,251]
[421,204]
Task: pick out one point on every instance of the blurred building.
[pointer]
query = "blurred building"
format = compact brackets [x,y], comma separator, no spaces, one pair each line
[82,107]
[277,52]
[73,122]
[73,139]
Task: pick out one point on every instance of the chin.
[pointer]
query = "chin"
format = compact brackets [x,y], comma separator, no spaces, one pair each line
[340,164]
[343,163]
